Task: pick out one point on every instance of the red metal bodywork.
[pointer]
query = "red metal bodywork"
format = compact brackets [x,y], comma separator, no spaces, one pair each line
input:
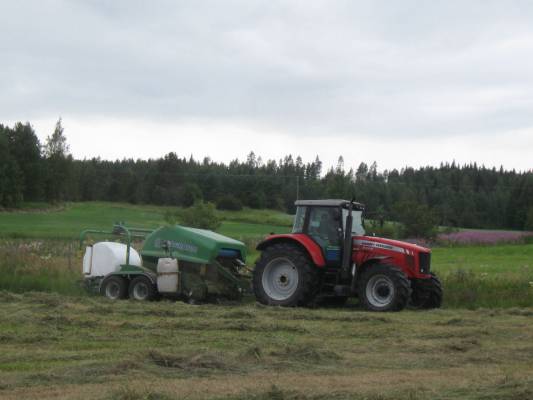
[313,249]
[401,254]
[366,250]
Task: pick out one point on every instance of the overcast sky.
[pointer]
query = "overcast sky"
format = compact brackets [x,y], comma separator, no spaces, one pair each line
[399,82]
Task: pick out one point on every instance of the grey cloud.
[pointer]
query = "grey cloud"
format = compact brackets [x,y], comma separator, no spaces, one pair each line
[320,67]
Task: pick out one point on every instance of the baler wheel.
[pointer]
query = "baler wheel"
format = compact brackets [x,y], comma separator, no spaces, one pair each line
[285,276]
[114,287]
[427,293]
[383,287]
[142,289]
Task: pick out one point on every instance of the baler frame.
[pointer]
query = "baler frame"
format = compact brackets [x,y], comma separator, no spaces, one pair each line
[129,271]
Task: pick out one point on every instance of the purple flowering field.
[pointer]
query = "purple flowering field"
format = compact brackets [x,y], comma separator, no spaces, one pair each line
[482,237]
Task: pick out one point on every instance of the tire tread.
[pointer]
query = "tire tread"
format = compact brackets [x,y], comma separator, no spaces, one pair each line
[432,298]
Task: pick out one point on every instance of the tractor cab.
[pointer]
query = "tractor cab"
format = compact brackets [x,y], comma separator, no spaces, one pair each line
[324,221]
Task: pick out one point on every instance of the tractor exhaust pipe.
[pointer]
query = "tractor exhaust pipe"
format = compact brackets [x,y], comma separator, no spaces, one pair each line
[347,247]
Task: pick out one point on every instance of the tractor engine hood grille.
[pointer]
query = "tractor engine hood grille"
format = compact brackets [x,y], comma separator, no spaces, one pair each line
[424,262]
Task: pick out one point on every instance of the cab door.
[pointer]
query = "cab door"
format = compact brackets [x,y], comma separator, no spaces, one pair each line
[325,229]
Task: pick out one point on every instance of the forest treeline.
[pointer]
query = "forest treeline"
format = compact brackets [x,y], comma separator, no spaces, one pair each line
[457,195]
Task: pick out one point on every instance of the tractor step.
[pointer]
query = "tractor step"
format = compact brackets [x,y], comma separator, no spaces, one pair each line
[331,286]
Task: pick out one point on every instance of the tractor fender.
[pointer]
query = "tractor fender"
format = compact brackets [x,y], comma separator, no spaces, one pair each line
[379,260]
[301,240]
[372,261]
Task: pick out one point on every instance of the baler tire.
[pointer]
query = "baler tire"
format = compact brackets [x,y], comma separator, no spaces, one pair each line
[114,284]
[149,291]
[384,274]
[427,293]
[307,275]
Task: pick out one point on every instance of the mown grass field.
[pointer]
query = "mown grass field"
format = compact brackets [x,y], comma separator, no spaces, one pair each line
[57,347]
[58,342]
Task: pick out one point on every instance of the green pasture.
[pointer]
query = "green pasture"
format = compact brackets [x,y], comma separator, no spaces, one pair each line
[493,261]
[67,221]
[38,251]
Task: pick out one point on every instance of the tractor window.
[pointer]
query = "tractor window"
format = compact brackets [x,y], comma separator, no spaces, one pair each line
[357,221]
[299,220]
[324,226]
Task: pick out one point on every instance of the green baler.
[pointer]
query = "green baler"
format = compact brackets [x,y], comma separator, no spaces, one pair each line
[198,262]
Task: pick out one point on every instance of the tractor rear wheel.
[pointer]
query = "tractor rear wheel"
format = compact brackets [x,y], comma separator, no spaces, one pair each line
[114,287]
[284,276]
[383,288]
[142,289]
[427,293]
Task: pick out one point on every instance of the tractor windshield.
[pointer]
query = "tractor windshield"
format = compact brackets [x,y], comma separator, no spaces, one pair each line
[357,224]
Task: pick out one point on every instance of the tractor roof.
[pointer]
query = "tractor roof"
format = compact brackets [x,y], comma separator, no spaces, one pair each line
[329,203]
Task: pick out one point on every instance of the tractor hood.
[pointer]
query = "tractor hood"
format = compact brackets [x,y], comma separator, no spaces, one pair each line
[388,244]
[191,244]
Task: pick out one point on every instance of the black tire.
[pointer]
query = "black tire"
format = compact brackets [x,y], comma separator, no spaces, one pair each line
[114,287]
[383,287]
[142,289]
[301,279]
[427,293]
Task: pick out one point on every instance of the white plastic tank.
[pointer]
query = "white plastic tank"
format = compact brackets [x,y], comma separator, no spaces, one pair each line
[103,258]
[167,275]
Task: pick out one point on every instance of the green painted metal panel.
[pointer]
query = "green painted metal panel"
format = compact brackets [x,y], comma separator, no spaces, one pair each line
[188,244]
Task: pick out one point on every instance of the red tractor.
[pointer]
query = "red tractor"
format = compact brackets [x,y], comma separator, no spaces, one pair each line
[327,259]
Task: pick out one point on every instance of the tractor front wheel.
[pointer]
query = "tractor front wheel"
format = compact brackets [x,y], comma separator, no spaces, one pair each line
[284,276]
[383,288]
[427,293]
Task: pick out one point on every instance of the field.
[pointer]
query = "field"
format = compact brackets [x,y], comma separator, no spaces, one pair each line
[66,222]
[57,342]
[55,347]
